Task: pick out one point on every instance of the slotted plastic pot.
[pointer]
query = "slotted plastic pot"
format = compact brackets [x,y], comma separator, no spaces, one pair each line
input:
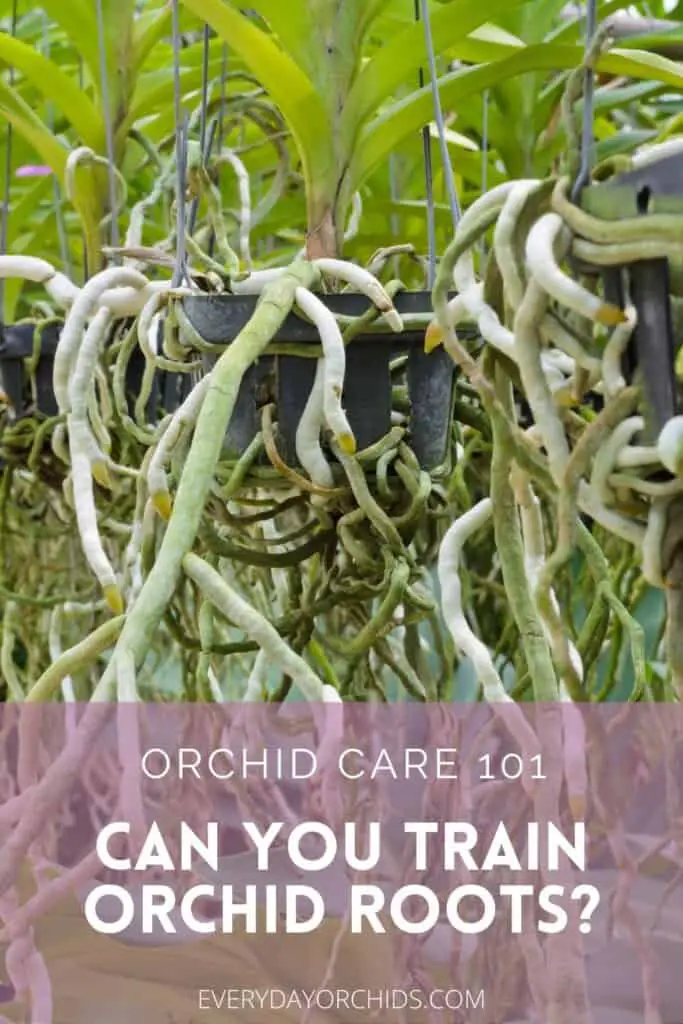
[286,379]
[367,397]
[16,346]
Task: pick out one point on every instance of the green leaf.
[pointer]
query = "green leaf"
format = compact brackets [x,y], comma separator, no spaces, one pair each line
[642,64]
[622,142]
[605,99]
[29,125]
[454,138]
[538,18]
[77,19]
[290,89]
[401,57]
[288,22]
[410,114]
[495,34]
[150,29]
[573,29]
[119,19]
[653,40]
[56,86]
[23,207]
[33,130]
[154,92]
[22,214]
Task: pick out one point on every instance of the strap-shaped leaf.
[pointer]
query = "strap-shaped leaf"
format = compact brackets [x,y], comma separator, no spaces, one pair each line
[396,63]
[33,130]
[573,29]
[57,87]
[396,124]
[150,28]
[287,84]
[288,22]
[26,233]
[154,92]
[29,125]
[77,19]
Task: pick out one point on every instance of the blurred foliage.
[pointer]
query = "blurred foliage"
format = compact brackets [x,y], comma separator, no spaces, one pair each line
[502,67]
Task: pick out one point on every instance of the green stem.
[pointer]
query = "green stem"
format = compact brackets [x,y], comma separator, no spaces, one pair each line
[511,551]
[76,659]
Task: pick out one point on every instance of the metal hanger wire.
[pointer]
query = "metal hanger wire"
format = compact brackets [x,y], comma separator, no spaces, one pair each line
[484,158]
[4,223]
[181,129]
[203,111]
[584,173]
[109,130]
[56,190]
[422,14]
[451,190]
[429,180]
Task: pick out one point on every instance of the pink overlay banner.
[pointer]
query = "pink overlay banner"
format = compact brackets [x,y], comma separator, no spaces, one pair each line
[173,863]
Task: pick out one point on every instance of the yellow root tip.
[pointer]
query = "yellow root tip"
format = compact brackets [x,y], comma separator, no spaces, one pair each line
[100,473]
[434,336]
[577,806]
[163,505]
[347,443]
[610,316]
[112,595]
[565,398]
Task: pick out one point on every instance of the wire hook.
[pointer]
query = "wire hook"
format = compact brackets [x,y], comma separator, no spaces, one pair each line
[583,176]
[438,117]
[429,181]
[108,127]
[4,223]
[181,128]
[204,148]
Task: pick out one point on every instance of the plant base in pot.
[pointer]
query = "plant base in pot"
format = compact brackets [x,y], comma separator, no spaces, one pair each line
[288,379]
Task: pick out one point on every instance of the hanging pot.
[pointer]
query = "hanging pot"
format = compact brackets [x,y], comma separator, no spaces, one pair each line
[286,379]
[169,390]
[367,398]
[654,188]
[17,345]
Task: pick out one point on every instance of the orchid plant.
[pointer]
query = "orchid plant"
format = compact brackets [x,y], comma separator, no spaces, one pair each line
[252,577]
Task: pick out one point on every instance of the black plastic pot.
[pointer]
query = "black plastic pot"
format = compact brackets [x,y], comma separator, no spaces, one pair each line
[288,379]
[168,389]
[16,345]
[285,379]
